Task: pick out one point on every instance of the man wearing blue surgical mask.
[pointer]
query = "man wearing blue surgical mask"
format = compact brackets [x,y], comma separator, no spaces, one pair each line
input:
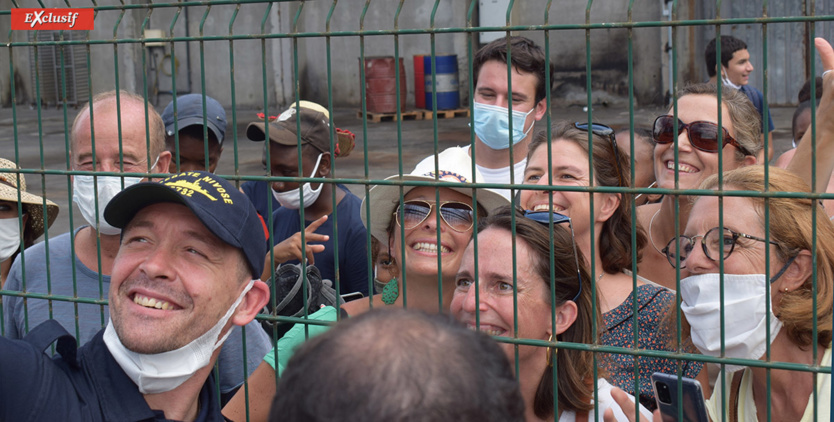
[80,262]
[495,140]
[319,200]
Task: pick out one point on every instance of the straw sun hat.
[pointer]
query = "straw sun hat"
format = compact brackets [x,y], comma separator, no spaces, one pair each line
[33,204]
[454,164]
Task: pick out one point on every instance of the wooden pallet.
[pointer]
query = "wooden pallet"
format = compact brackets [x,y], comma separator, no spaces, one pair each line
[446,114]
[391,117]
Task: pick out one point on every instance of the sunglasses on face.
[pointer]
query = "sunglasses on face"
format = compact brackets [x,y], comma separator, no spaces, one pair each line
[716,243]
[607,133]
[546,217]
[457,215]
[702,135]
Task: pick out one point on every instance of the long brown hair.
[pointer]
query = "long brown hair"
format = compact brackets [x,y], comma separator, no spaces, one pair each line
[610,168]
[574,368]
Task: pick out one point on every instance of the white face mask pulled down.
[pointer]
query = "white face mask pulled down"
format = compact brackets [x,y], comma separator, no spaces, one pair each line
[745,315]
[292,198]
[728,82]
[161,372]
[84,195]
[9,237]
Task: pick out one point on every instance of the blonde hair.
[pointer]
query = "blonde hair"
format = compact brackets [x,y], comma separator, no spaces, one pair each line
[792,227]
[747,124]
[156,128]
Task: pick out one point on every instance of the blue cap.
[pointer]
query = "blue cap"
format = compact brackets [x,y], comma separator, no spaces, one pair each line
[190,112]
[222,208]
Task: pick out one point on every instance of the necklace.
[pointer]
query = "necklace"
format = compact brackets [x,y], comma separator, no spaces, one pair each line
[651,238]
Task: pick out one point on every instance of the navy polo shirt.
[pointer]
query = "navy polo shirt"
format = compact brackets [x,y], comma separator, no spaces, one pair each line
[82,385]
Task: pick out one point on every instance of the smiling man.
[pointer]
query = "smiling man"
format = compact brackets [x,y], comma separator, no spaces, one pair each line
[186,272]
[493,111]
[735,72]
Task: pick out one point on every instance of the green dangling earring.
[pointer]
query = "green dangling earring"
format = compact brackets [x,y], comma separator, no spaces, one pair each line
[391,292]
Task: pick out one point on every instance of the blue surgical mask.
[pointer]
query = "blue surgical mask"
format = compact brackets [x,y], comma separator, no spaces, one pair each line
[492,125]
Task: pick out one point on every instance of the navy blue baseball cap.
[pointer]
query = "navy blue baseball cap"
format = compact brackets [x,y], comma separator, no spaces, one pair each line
[190,112]
[222,208]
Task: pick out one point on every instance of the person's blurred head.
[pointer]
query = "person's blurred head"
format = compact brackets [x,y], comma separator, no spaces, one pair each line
[544,271]
[567,165]
[698,159]
[735,60]
[801,121]
[805,92]
[398,365]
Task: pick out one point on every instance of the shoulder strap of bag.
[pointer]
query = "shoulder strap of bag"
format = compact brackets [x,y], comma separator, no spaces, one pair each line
[735,390]
[47,333]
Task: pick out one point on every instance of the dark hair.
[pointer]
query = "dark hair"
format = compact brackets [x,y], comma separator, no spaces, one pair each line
[574,368]
[615,236]
[805,91]
[805,105]
[525,56]
[193,131]
[729,45]
[398,365]
[645,134]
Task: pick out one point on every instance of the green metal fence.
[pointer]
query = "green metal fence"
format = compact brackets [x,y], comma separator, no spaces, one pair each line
[361,29]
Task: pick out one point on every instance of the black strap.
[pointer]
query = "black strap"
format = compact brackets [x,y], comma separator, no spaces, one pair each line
[47,333]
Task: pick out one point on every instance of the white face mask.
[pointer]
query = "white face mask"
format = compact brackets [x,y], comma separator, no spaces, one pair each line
[161,372]
[728,82]
[745,315]
[84,194]
[9,237]
[292,199]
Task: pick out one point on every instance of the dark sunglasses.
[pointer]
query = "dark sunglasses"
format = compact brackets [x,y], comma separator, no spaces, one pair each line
[605,132]
[546,218]
[702,135]
[457,215]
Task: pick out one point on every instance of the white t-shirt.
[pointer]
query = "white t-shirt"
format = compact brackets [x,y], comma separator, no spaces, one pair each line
[605,402]
[500,175]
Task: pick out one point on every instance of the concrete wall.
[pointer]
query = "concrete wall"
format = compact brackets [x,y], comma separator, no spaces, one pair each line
[262,70]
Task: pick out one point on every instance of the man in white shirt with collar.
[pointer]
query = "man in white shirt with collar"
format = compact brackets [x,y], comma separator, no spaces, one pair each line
[493,136]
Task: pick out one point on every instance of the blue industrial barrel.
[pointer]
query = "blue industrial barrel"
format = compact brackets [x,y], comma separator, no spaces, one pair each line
[446,71]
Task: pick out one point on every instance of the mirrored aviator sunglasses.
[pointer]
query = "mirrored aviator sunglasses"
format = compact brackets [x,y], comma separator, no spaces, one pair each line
[458,216]
[702,135]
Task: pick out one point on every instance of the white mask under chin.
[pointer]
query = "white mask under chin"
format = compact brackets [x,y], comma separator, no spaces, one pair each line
[161,372]
[729,83]
[292,198]
[745,316]
[9,237]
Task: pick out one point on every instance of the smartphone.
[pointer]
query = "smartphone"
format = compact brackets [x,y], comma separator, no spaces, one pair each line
[691,401]
[352,296]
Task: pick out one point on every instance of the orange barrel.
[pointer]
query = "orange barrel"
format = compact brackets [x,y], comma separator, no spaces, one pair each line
[419,82]
[381,84]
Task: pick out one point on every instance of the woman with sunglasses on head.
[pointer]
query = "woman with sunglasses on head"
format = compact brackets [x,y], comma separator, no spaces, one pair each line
[773,307]
[566,165]
[545,296]
[426,235]
[697,147]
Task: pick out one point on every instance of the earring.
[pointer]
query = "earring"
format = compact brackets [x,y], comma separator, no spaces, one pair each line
[391,291]
[549,348]
[786,289]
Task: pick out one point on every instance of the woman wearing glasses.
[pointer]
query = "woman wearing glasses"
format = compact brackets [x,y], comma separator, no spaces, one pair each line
[508,293]
[426,234]
[697,157]
[607,237]
[775,307]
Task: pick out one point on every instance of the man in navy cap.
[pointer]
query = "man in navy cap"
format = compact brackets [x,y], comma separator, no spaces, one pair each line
[188,128]
[187,271]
